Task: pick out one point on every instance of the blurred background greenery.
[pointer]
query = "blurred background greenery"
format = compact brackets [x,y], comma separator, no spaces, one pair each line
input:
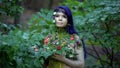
[25,23]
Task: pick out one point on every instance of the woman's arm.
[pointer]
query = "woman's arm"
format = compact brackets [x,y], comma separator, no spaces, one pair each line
[79,63]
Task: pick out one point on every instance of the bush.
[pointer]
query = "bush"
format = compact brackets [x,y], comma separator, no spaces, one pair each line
[16,46]
[98,22]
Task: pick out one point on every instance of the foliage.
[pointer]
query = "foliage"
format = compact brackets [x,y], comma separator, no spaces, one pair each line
[17,45]
[4,28]
[10,7]
[98,21]
[63,46]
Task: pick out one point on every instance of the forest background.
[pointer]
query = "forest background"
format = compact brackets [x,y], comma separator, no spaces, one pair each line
[25,23]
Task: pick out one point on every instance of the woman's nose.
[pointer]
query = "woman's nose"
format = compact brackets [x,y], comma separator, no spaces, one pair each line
[60,18]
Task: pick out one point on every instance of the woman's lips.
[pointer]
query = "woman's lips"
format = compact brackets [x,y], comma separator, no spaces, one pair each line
[59,23]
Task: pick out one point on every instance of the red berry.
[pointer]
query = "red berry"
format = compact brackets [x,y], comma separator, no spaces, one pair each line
[72,37]
[46,40]
[58,47]
[78,42]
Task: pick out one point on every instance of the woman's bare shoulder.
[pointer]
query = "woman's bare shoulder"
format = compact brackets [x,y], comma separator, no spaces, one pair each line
[77,37]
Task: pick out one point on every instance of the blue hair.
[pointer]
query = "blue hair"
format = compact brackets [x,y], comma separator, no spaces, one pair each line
[70,28]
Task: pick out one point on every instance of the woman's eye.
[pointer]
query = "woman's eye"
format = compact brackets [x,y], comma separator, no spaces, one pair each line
[64,16]
[56,15]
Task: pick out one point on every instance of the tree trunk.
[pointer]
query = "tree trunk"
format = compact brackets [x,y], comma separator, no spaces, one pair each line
[17,16]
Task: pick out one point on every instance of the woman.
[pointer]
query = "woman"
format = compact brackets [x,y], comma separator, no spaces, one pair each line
[64,30]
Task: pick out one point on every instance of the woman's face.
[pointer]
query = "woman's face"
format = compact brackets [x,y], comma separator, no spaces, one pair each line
[60,19]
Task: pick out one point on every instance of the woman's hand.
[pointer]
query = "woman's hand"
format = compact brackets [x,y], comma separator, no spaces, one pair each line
[79,63]
[58,57]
